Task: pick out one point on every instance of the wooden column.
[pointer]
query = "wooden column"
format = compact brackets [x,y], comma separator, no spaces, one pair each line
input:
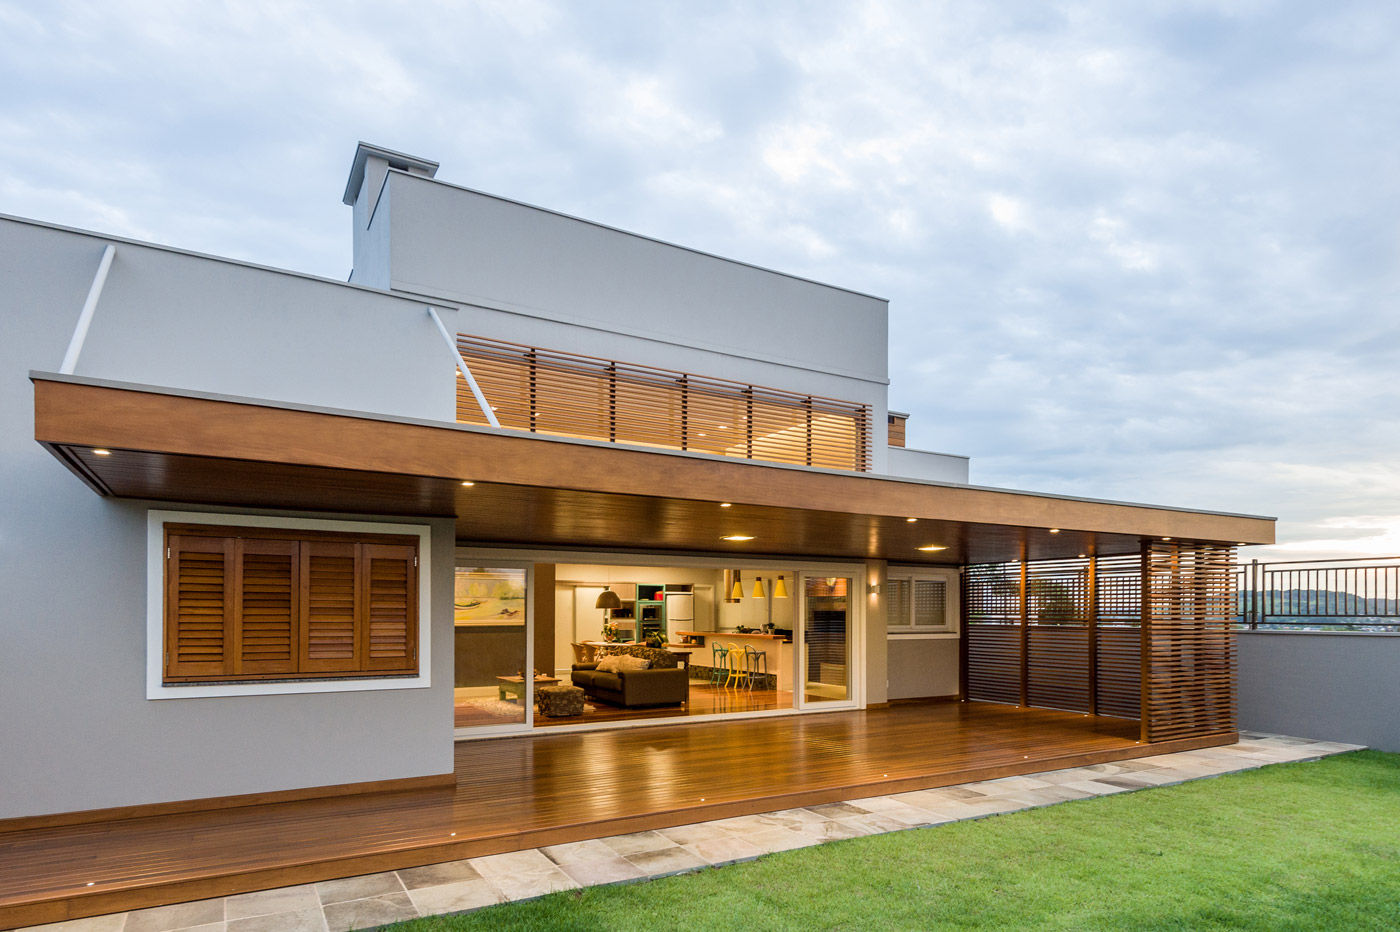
[1025,639]
[1093,619]
[1145,640]
[544,617]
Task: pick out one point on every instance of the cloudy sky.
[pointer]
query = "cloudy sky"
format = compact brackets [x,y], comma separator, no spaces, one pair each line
[1142,251]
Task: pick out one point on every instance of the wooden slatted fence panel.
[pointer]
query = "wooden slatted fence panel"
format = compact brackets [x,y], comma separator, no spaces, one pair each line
[1190,645]
[569,395]
[1058,616]
[993,632]
[1119,666]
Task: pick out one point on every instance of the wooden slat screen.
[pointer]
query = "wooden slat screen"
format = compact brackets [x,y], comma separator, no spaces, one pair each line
[1118,688]
[254,603]
[1145,636]
[896,430]
[1058,620]
[992,603]
[569,395]
[1189,667]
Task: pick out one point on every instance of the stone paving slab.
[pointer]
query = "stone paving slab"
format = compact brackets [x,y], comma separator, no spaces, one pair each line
[460,886]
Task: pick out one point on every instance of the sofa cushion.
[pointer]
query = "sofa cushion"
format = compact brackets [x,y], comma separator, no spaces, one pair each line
[658,658]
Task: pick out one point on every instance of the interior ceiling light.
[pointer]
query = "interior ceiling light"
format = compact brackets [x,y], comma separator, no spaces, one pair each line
[1054,530]
[1166,538]
[780,589]
[726,504]
[468,483]
[101,452]
[607,599]
[911,520]
[737,537]
[932,547]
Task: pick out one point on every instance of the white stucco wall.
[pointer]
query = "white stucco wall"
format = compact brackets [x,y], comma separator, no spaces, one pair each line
[78,731]
[923,464]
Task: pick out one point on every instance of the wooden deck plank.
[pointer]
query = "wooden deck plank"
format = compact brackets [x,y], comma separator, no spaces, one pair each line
[545,788]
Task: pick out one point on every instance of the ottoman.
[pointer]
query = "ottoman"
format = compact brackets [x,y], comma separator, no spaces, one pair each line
[559,701]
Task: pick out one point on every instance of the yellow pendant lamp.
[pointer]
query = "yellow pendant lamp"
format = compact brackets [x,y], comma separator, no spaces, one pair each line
[780,589]
[738,591]
[758,592]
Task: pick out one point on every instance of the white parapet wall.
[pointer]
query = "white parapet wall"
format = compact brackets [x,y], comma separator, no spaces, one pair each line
[924,464]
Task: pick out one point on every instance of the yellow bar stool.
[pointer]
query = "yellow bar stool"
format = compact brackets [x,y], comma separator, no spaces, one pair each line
[738,666]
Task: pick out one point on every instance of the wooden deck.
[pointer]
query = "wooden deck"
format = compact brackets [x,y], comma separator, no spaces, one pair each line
[522,792]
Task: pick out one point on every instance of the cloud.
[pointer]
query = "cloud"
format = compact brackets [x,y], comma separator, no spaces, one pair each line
[1145,252]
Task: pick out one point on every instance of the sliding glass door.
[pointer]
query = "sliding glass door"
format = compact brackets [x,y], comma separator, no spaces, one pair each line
[827,666]
[492,647]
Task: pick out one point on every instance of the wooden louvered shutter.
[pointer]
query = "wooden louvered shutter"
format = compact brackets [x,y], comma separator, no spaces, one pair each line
[267,610]
[199,602]
[390,600]
[330,609]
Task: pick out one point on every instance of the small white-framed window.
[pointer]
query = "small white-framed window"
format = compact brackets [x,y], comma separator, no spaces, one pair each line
[921,600]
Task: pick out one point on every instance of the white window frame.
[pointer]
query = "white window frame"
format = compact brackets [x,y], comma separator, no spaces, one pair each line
[952,611]
[155,608]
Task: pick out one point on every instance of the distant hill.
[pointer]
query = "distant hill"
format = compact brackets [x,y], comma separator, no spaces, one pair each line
[1320,603]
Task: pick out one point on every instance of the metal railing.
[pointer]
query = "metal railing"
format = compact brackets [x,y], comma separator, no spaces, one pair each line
[1355,594]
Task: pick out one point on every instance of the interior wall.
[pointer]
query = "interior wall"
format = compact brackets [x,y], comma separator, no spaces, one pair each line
[923,668]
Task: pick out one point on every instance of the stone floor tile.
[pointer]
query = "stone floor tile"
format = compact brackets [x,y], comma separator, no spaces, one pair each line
[838,810]
[358,888]
[1099,788]
[613,868]
[783,839]
[726,849]
[307,919]
[178,916]
[267,902]
[694,834]
[512,862]
[836,831]
[801,816]
[369,913]
[579,851]
[435,875]
[875,823]
[522,875]
[667,861]
[626,845]
[454,897]
[112,922]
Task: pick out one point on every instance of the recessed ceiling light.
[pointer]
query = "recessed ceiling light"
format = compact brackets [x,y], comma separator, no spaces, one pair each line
[1166,538]
[468,483]
[101,452]
[737,537]
[911,520]
[1054,530]
[932,547]
[1083,555]
[726,504]
[1242,544]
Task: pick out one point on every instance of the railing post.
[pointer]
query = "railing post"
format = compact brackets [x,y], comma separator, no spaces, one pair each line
[1255,596]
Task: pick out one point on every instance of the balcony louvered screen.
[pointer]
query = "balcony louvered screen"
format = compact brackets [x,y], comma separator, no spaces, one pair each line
[253,603]
[569,395]
[1079,635]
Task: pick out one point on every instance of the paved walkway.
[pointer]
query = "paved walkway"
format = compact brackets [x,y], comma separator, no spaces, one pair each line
[457,886]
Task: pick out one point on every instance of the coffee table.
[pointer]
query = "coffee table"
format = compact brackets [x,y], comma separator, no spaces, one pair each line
[514,686]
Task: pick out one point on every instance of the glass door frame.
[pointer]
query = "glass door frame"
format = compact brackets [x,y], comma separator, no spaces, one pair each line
[528,700]
[855,636]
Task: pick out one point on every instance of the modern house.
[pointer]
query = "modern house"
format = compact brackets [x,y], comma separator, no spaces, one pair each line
[270,538]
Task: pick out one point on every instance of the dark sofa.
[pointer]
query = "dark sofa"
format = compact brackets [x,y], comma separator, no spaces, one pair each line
[665,682]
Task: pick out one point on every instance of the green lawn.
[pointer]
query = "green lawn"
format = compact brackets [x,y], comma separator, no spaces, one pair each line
[1293,846]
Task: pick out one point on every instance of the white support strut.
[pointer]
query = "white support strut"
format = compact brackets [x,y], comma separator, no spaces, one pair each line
[463,368]
[75,345]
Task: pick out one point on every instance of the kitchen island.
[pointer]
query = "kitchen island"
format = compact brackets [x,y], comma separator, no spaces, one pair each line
[778,647]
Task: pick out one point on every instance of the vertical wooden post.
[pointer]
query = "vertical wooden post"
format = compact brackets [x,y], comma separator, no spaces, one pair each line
[534,387]
[1145,642]
[612,402]
[685,412]
[1025,639]
[963,615]
[748,422]
[1093,634]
